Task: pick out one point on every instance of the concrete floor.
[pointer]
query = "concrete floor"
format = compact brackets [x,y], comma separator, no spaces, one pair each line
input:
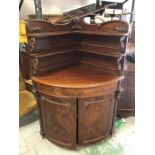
[121,143]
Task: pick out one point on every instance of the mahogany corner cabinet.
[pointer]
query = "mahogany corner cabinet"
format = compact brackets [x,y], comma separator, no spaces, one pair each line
[76,69]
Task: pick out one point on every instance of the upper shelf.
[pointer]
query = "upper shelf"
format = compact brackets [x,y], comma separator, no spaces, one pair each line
[48,34]
[101,33]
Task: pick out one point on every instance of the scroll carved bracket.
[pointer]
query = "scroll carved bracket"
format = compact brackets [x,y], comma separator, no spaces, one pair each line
[123,43]
[43,98]
[35,65]
[32,43]
[34,92]
[118,94]
[23,48]
[120,61]
[119,91]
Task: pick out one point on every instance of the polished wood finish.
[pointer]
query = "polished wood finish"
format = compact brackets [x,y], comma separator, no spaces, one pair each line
[60,119]
[95,118]
[76,71]
[76,76]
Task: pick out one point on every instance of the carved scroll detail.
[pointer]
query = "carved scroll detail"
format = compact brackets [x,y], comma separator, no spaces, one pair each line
[120,29]
[32,43]
[34,92]
[34,29]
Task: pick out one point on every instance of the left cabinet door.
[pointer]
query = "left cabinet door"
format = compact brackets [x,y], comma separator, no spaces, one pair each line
[60,120]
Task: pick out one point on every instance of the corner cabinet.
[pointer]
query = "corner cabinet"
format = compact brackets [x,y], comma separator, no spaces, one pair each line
[76,69]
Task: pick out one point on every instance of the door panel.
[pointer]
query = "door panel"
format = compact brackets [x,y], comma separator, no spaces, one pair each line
[95,119]
[60,114]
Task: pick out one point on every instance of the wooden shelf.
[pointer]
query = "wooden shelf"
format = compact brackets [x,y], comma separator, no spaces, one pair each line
[117,55]
[119,34]
[51,53]
[107,66]
[102,46]
[47,34]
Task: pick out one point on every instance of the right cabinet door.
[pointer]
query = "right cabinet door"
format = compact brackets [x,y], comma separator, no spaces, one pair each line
[95,118]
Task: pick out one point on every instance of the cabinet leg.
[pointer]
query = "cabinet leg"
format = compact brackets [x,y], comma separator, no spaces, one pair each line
[42,134]
[111,132]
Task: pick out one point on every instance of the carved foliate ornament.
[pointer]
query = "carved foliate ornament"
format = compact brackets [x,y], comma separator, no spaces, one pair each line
[76,25]
[35,63]
[32,43]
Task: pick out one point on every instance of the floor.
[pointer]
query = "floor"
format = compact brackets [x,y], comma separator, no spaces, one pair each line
[121,143]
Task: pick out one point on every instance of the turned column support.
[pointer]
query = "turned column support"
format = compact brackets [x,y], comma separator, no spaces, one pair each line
[34,92]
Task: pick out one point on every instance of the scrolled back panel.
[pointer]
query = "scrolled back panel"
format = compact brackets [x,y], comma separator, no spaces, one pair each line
[39,26]
[115,27]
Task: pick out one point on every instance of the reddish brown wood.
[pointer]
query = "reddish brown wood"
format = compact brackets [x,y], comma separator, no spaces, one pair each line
[95,118]
[76,76]
[60,120]
[76,69]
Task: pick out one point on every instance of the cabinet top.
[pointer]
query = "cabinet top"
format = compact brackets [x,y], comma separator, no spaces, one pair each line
[77,76]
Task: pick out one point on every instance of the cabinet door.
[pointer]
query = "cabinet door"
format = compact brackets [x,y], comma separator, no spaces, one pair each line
[95,119]
[60,117]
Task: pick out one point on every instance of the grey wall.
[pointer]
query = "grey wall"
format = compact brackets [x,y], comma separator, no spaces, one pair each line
[58,6]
